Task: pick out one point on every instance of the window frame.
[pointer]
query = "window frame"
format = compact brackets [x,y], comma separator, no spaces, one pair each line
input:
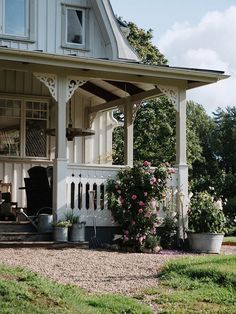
[85,11]
[30,37]
[23,119]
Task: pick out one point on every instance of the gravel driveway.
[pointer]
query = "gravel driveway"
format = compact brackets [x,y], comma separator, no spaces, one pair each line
[95,271]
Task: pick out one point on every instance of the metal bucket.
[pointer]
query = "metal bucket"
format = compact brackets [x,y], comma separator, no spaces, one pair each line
[45,223]
[60,234]
[77,232]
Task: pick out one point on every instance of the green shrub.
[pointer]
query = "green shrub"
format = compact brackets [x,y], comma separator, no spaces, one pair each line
[132,198]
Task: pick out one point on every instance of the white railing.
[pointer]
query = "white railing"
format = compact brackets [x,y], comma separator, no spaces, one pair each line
[83,178]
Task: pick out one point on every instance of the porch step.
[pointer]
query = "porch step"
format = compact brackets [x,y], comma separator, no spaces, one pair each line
[24,237]
[44,244]
[13,226]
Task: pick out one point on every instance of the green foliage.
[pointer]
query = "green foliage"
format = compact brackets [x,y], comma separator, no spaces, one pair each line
[62,223]
[72,217]
[141,40]
[132,198]
[196,285]
[154,134]
[225,138]
[22,291]
[168,232]
[204,215]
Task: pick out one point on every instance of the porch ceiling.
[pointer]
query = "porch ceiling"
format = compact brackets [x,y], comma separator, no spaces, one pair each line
[109,82]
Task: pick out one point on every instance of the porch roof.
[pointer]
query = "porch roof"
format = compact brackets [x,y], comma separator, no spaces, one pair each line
[108,81]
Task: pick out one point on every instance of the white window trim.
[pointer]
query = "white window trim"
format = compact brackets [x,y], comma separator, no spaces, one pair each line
[30,37]
[84,45]
[23,101]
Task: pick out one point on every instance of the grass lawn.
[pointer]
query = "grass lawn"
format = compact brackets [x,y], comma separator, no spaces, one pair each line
[199,284]
[23,292]
[229,240]
[196,284]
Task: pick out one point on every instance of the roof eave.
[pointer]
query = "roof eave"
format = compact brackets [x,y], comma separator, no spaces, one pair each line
[87,67]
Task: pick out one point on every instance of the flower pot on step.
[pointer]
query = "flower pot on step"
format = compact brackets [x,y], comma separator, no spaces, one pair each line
[60,234]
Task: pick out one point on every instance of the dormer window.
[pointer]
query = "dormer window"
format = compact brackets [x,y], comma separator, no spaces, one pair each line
[17,19]
[74,27]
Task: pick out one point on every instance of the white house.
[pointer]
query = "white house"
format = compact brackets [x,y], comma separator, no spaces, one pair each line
[64,61]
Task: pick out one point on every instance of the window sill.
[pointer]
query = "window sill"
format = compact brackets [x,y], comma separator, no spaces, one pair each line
[75,47]
[17,38]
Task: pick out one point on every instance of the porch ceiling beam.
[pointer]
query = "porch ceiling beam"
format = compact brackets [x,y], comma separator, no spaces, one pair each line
[130,100]
[99,92]
[126,87]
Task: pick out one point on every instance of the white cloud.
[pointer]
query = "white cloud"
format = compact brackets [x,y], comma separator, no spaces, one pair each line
[208,45]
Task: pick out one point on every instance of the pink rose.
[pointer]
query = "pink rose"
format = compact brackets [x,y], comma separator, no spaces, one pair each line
[126,238]
[145,193]
[148,214]
[134,197]
[141,203]
[133,223]
[153,180]
[140,210]
[126,232]
[171,170]
[121,200]
[119,191]
[146,163]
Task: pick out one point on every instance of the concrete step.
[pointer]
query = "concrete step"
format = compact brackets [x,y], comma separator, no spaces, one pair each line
[25,236]
[13,226]
[44,244]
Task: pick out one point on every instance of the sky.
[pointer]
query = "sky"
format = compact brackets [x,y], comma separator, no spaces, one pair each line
[195,34]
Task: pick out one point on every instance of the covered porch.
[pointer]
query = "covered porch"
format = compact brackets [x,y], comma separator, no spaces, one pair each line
[94,87]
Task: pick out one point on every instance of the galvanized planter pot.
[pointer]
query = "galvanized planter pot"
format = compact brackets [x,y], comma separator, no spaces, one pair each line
[205,242]
[77,232]
[60,234]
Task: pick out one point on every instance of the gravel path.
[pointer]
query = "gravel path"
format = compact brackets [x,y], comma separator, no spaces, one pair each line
[95,271]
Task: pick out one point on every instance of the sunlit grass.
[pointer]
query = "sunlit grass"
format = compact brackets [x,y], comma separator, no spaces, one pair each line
[25,292]
[196,285]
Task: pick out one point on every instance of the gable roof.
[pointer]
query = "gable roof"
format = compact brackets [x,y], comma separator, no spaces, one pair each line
[121,48]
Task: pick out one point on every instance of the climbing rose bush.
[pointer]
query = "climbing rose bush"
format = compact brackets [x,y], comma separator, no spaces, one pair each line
[132,199]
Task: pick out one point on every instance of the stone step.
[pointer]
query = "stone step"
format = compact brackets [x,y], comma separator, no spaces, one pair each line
[13,226]
[25,236]
[44,244]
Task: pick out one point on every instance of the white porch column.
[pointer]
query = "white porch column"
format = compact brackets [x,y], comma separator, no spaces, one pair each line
[181,161]
[60,162]
[128,135]
[177,95]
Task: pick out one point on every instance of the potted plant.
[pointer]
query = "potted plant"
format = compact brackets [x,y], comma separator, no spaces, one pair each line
[60,230]
[77,227]
[206,224]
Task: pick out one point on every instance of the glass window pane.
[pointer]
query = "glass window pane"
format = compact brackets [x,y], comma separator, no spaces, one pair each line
[36,141]
[16,17]
[9,136]
[75,26]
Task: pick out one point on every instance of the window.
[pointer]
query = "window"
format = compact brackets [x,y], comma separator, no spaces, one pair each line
[23,126]
[74,27]
[16,19]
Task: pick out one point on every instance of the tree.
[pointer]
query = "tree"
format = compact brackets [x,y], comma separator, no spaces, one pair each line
[225,138]
[157,116]
[141,40]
